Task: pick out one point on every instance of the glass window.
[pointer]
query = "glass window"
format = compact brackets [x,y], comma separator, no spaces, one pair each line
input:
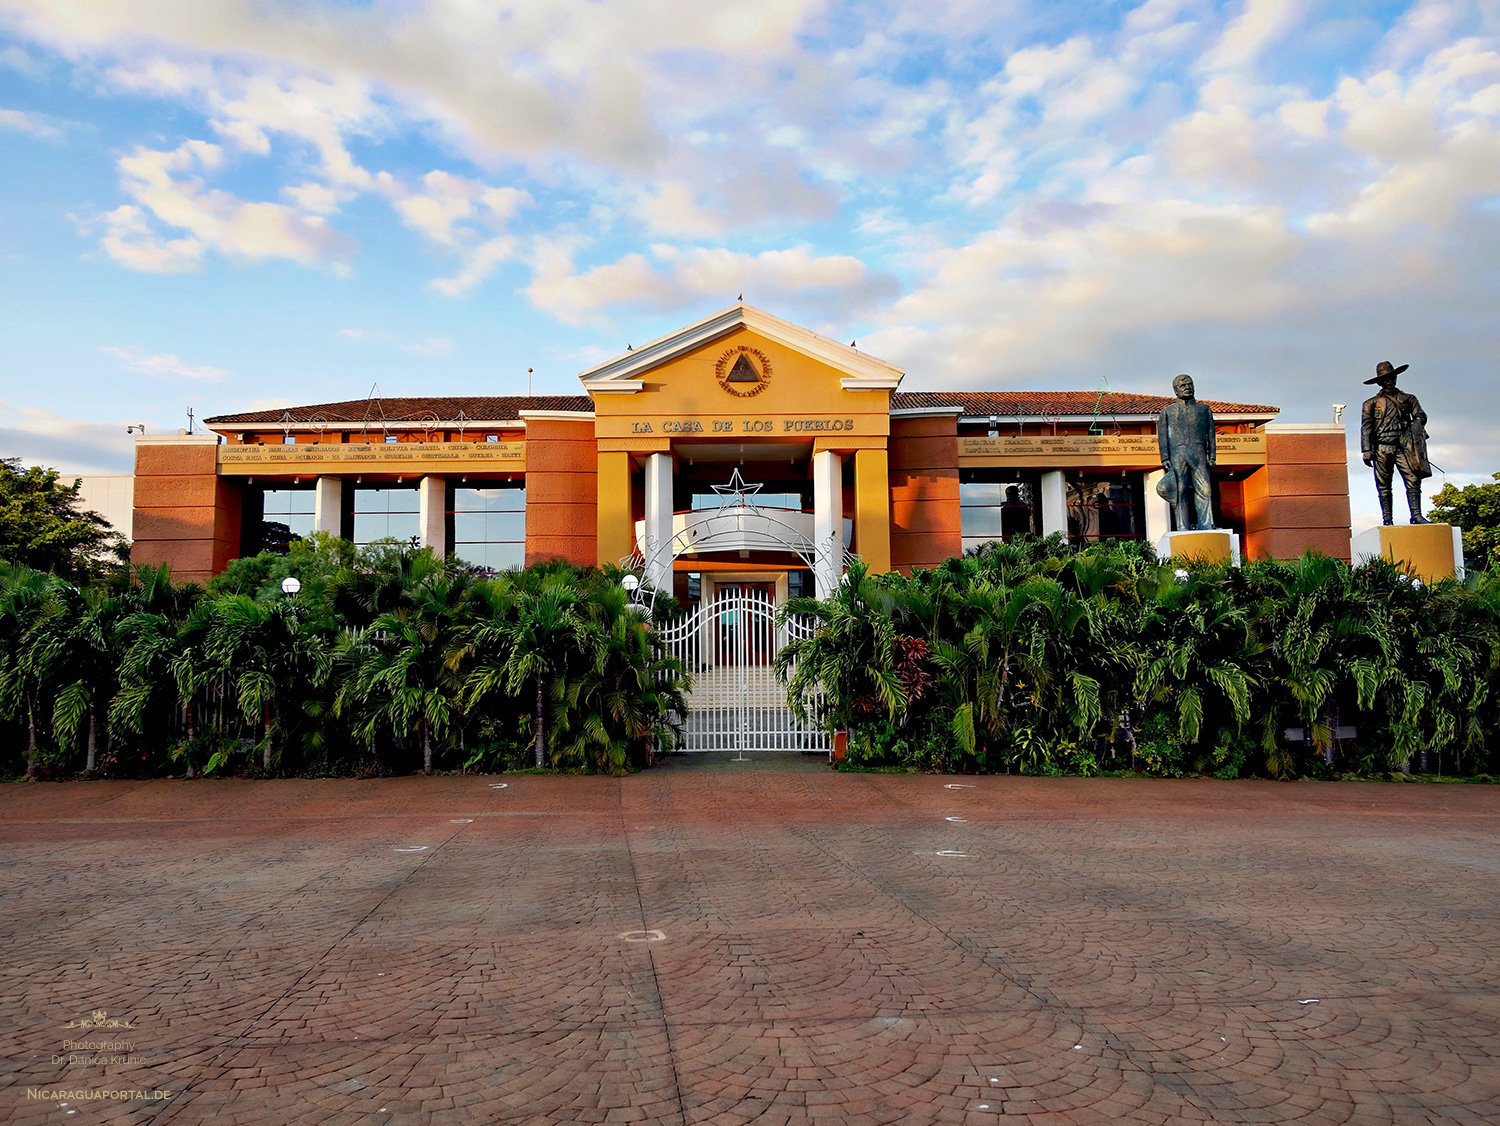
[799,584]
[288,439]
[286,515]
[996,505]
[1105,507]
[385,513]
[392,439]
[488,527]
[791,502]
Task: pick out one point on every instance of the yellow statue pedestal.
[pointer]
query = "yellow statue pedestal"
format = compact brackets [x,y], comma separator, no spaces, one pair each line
[1211,545]
[1430,551]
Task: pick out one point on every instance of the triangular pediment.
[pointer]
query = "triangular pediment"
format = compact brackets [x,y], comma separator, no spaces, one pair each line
[857,370]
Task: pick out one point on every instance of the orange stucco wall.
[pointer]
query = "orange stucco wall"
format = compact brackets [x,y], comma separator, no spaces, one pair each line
[185,515]
[1300,500]
[925,522]
[562,465]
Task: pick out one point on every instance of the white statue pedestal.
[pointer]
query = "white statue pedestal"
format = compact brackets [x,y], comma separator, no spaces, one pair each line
[1210,545]
[1431,551]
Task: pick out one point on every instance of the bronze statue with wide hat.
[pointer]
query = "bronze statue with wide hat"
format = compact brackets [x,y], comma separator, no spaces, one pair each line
[1393,437]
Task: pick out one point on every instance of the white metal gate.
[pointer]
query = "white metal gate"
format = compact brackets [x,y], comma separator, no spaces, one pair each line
[738,703]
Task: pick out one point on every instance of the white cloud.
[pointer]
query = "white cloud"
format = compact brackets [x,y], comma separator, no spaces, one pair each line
[1307,119]
[24,122]
[167,185]
[478,264]
[1013,302]
[129,239]
[20,61]
[1428,191]
[1154,15]
[671,208]
[1426,26]
[320,113]
[456,213]
[1432,136]
[1068,81]
[534,76]
[671,278]
[162,365]
[43,437]
[1220,142]
[1261,25]
[446,201]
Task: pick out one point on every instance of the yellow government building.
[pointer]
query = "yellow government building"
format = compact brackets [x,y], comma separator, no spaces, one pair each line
[741,450]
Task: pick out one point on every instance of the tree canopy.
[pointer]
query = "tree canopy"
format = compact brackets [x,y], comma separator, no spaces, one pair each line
[43,526]
[1475,509]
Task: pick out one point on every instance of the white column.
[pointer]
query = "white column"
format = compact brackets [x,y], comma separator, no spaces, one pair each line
[1158,511]
[658,545]
[1054,503]
[432,514]
[328,506]
[828,521]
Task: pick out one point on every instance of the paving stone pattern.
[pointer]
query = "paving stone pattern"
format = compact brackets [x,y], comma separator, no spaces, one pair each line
[833,948]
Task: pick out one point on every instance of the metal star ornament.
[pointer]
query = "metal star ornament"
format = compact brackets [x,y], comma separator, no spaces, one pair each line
[738,488]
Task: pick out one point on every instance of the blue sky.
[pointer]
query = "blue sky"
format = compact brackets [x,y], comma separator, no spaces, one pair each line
[227,204]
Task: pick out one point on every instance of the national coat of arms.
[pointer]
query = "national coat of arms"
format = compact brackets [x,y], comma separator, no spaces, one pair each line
[743,371]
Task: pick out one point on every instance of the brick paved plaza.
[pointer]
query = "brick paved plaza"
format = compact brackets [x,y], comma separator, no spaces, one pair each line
[827,948]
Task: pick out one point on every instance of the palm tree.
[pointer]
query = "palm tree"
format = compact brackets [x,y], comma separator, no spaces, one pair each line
[148,640]
[1440,654]
[1026,662]
[25,596]
[627,695]
[1196,654]
[401,678]
[853,654]
[72,648]
[533,631]
[266,652]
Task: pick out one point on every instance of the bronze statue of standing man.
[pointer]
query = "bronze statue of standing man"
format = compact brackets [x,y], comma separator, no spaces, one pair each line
[1393,436]
[1185,434]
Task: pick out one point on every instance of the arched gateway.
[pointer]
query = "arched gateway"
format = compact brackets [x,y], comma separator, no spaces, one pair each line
[728,641]
[743,394]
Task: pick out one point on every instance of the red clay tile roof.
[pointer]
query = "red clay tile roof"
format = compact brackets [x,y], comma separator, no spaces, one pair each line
[475,408]
[497,408]
[1049,404]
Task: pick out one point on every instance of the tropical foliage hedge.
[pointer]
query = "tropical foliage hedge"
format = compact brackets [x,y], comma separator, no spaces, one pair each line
[1027,656]
[387,660]
[1024,656]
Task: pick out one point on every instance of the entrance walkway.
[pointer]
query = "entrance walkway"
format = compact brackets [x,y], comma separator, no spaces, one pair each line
[813,762]
[707,944]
